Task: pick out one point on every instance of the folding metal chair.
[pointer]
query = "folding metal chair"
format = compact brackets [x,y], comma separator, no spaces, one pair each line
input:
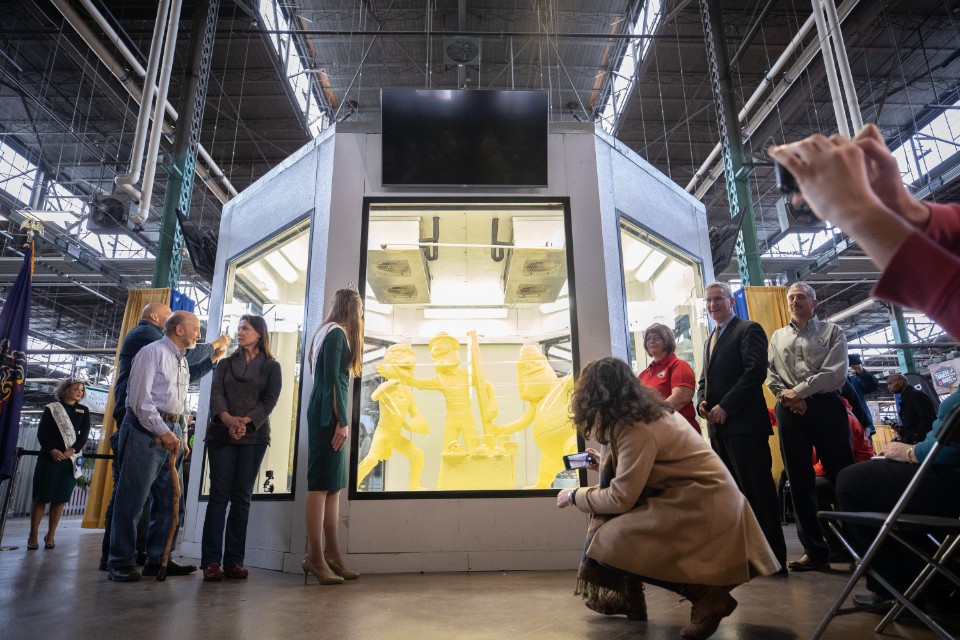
[943,531]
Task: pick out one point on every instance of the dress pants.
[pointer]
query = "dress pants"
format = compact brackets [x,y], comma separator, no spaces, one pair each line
[143,474]
[876,485]
[233,474]
[749,461]
[825,427]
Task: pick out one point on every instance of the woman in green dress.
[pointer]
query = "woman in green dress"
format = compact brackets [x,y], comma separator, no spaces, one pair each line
[63,431]
[336,352]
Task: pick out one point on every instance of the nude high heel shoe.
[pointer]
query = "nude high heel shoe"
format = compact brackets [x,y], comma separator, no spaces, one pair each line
[340,571]
[308,568]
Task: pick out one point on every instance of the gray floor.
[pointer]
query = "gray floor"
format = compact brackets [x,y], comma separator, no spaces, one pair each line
[60,594]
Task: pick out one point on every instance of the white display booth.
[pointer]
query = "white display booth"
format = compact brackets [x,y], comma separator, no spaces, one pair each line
[571,272]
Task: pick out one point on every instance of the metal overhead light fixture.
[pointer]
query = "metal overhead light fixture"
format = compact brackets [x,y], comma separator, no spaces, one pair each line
[59,217]
[863,305]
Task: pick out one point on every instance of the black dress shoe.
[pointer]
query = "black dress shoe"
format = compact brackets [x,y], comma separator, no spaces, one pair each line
[123,574]
[173,569]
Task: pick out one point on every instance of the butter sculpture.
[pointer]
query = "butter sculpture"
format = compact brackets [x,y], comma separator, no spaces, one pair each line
[396,403]
[455,383]
[548,413]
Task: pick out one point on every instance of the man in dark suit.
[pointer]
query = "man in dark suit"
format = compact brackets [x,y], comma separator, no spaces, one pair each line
[917,412]
[730,398]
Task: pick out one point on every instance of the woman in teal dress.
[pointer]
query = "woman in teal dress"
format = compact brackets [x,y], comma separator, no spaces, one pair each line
[336,352]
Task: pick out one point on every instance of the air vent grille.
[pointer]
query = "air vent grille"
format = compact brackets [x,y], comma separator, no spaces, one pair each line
[542,267]
[392,268]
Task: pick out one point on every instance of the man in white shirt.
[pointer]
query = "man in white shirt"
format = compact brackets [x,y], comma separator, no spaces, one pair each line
[156,398]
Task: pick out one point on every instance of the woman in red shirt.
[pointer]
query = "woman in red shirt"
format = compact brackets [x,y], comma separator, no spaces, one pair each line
[668,374]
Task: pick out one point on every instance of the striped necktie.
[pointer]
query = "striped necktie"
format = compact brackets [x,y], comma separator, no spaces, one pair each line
[713,342]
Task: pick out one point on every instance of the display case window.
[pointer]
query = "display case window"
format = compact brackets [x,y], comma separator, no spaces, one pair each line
[270,280]
[469,349]
[661,284]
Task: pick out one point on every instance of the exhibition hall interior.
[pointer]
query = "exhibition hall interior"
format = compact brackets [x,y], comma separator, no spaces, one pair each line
[508,192]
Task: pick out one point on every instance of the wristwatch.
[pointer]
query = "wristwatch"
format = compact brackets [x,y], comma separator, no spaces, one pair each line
[911,456]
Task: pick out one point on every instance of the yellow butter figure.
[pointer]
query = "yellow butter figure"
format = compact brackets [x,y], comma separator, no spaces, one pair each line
[548,412]
[396,402]
[454,383]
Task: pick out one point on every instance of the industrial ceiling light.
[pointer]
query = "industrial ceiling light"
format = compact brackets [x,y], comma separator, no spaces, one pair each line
[62,218]
[863,305]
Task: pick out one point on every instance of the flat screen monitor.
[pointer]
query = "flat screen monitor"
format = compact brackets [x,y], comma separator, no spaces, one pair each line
[456,138]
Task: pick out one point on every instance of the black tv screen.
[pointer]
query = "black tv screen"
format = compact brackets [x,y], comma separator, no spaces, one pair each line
[457,138]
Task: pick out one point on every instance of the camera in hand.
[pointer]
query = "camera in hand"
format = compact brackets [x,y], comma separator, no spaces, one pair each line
[786,181]
[580,460]
[268,483]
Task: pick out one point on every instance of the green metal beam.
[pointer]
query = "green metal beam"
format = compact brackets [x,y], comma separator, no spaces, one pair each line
[736,174]
[908,364]
[180,175]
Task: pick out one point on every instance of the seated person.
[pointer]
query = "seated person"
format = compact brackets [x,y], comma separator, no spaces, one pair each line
[917,412]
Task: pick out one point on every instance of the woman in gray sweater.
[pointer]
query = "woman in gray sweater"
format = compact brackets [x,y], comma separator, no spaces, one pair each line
[245,390]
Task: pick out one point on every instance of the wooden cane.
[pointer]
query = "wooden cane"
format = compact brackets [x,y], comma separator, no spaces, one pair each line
[175,519]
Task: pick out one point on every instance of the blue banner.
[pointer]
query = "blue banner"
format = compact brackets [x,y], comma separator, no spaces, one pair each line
[181,302]
[14,323]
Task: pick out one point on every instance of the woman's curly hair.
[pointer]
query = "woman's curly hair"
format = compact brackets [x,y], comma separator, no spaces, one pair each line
[607,394]
[60,393]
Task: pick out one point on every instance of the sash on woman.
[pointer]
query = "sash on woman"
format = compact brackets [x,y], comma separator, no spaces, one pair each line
[68,433]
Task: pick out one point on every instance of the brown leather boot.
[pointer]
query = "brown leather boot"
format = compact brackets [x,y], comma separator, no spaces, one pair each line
[710,606]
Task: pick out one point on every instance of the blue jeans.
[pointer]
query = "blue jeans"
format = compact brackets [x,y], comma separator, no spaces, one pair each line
[143,474]
[233,472]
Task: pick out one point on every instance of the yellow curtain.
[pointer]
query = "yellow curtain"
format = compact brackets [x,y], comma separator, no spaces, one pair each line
[768,306]
[101,485]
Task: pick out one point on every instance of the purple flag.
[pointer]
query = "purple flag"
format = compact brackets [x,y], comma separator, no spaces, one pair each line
[14,323]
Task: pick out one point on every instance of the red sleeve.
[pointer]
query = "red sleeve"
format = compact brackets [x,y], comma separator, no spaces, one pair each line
[681,375]
[944,225]
[862,449]
[928,285]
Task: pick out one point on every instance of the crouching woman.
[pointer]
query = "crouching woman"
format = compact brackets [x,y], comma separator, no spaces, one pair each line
[666,512]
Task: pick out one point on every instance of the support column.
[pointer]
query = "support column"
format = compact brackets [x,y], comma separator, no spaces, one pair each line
[731,146]
[898,323]
[166,271]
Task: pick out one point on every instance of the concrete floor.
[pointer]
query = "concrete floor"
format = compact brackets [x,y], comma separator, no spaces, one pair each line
[60,594]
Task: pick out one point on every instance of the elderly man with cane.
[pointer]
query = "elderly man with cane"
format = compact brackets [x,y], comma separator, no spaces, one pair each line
[151,433]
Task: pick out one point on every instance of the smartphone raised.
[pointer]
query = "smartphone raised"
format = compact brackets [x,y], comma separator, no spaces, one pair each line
[580,460]
[786,181]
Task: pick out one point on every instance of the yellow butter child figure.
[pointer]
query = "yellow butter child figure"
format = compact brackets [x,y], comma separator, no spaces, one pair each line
[396,402]
[454,383]
[548,412]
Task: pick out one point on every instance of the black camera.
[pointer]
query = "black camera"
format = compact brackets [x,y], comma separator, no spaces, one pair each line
[786,181]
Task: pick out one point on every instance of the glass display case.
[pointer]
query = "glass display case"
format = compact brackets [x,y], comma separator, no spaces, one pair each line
[469,348]
[270,280]
[661,284]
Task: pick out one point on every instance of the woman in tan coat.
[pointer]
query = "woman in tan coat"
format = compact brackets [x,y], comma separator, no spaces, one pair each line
[667,512]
